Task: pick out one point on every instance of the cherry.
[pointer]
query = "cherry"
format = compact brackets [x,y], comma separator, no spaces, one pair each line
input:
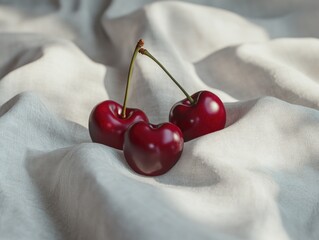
[196,115]
[152,150]
[206,115]
[109,120]
[107,126]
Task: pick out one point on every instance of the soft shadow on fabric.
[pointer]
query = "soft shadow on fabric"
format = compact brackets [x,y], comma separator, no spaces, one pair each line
[22,58]
[72,185]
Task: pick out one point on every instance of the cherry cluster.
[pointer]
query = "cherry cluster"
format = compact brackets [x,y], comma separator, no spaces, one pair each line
[149,149]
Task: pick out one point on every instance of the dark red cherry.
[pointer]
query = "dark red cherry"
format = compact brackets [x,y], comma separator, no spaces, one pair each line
[107,126]
[109,120]
[152,150]
[206,115]
[196,115]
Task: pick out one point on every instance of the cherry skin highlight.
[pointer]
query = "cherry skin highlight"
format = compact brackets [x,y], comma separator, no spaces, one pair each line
[107,126]
[206,115]
[152,150]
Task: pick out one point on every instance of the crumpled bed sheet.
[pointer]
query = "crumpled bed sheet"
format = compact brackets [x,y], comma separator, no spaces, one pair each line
[256,179]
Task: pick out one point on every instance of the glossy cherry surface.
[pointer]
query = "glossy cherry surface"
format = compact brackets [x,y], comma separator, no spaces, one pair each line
[206,115]
[152,150]
[107,126]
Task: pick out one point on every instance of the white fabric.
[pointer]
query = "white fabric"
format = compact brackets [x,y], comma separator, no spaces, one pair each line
[256,179]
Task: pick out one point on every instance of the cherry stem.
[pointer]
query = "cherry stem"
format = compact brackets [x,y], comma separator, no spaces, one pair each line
[147,53]
[139,44]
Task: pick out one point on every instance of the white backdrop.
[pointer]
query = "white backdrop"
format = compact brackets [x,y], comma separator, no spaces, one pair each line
[256,179]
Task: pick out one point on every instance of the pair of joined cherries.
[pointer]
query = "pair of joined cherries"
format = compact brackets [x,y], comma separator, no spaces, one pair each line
[149,149]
